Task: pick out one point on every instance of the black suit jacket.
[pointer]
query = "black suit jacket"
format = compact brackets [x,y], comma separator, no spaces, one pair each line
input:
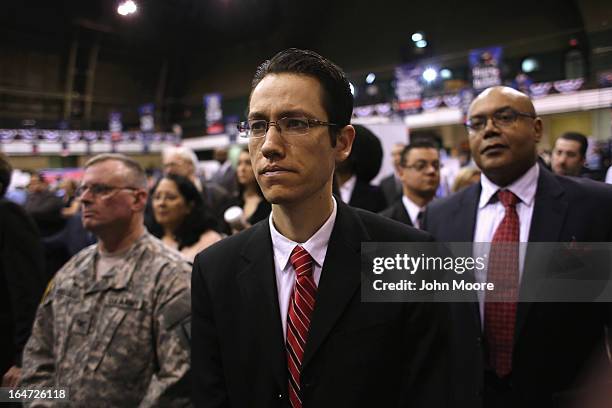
[554,343]
[391,189]
[398,213]
[367,197]
[358,354]
[22,280]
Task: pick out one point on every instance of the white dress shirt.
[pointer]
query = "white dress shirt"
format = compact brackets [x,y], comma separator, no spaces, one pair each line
[490,215]
[285,274]
[413,211]
[346,189]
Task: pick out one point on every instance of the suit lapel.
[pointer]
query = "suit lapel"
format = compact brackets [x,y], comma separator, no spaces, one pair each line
[401,214]
[464,220]
[340,277]
[549,212]
[257,282]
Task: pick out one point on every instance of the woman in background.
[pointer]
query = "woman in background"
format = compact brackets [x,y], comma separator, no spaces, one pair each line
[250,198]
[180,219]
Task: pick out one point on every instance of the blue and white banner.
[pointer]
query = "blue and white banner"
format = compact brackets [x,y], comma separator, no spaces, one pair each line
[114,122]
[485,64]
[147,118]
[408,88]
[214,113]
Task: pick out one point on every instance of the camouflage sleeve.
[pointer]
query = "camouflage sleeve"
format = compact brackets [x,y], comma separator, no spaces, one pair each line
[170,385]
[38,366]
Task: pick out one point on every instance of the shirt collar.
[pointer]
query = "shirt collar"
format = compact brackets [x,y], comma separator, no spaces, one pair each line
[412,209]
[346,189]
[524,187]
[316,244]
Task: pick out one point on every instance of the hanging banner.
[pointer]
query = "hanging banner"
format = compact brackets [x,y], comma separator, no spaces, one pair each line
[408,88]
[452,100]
[485,65]
[568,85]
[431,103]
[214,114]
[147,118]
[540,89]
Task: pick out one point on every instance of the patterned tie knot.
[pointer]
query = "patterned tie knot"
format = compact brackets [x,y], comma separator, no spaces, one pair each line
[507,198]
[301,261]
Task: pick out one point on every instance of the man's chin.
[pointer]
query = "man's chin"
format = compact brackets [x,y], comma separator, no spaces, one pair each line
[90,225]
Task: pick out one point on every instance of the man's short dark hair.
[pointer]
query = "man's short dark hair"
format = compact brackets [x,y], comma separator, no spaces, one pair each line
[577,137]
[5,174]
[337,96]
[417,144]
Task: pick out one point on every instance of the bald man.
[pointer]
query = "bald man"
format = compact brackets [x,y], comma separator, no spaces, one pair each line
[520,354]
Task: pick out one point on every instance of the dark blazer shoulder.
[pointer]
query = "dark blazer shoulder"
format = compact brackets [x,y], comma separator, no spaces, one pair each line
[229,250]
[387,230]
[455,200]
[578,187]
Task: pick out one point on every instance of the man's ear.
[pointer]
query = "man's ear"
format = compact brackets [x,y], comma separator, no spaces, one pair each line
[538,129]
[344,143]
[140,200]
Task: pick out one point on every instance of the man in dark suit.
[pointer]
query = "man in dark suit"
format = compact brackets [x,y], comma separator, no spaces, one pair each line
[225,176]
[526,354]
[22,279]
[391,185]
[355,173]
[420,175]
[278,319]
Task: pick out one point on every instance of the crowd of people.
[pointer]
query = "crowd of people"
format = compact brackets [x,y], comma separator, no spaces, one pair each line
[131,292]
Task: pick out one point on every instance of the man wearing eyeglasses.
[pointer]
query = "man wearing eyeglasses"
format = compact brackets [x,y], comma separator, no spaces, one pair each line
[277,314]
[419,172]
[113,325]
[512,354]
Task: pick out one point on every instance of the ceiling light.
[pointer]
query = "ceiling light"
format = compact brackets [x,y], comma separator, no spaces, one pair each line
[430,74]
[530,65]
[446,73]
[127,7]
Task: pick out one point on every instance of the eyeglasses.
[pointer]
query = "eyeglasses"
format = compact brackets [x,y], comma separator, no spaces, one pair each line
[502,118]
[288,126]
[423,165]
[100,190]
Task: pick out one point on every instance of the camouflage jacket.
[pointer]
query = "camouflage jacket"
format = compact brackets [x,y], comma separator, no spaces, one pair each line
[122,341]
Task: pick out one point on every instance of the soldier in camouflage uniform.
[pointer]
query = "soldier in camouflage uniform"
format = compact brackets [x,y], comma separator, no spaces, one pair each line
[114,325]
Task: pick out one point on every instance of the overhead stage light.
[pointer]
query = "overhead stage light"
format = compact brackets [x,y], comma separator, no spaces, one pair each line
[430,74]
[127,7]
[446,73]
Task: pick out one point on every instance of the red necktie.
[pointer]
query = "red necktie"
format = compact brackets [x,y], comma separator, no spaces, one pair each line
[298,321]
[500,316]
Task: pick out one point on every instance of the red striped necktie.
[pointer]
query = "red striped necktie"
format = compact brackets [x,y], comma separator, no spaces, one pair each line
[298,321]
[503,271]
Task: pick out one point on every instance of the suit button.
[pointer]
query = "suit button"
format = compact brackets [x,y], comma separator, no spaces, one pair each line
[479,340]
[280,396]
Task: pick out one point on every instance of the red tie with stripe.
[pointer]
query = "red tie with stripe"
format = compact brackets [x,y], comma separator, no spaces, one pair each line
[500,316]
[298,319]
